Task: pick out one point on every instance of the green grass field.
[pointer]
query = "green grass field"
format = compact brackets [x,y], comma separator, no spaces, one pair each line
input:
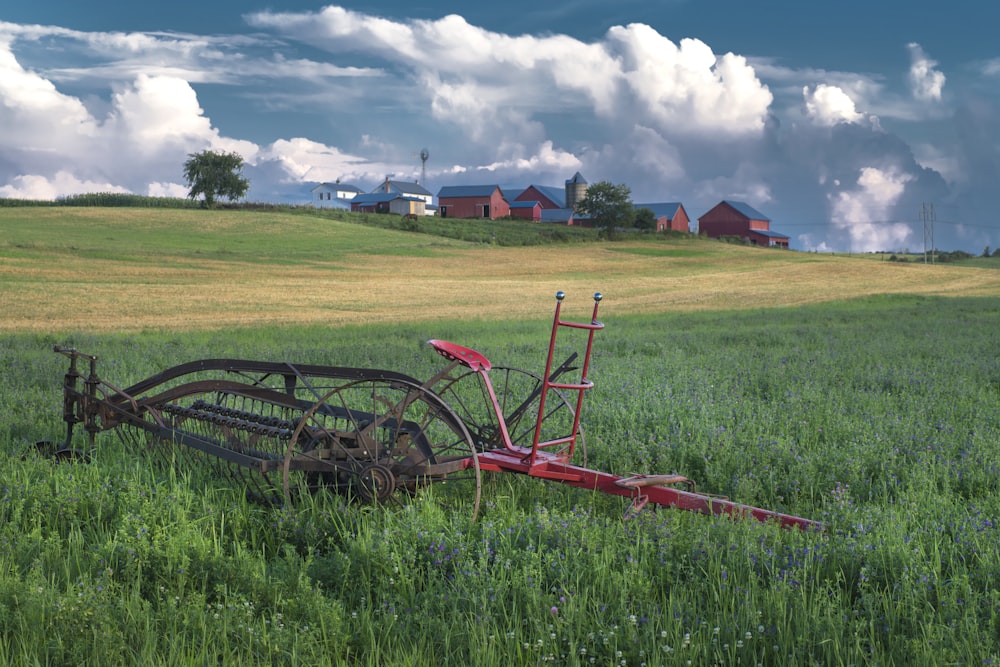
[137,270]
[862,394]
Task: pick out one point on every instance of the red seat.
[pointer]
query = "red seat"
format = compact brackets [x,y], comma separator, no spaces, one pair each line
[467,356]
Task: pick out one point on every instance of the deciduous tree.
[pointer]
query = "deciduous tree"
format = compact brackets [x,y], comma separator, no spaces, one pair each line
[645,220]
[212,174]
[608,205]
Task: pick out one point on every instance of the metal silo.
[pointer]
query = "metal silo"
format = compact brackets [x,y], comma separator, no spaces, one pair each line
[576,189]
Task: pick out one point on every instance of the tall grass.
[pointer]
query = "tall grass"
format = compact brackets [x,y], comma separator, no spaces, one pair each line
[877,417]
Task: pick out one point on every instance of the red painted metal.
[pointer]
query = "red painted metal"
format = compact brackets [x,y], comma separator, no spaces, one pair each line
[537,461]
[642,489]
[467,356]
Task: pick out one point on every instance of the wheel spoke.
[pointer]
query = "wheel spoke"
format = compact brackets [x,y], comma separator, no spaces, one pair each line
[402,440]
[518,393]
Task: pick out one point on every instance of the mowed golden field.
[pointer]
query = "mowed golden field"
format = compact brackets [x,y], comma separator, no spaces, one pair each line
[106,270]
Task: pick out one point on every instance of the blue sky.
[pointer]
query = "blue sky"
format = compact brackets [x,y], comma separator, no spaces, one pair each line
[839,121]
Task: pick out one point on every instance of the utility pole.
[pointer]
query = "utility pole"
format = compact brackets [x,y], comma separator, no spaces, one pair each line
[932,234]
[927,218]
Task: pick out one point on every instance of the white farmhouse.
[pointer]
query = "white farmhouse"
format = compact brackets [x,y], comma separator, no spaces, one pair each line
[334,195]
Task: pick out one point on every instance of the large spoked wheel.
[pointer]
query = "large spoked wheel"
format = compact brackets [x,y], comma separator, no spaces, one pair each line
[386,442]
[518,393]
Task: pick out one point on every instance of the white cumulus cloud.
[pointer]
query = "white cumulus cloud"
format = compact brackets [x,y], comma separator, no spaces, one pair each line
[60,184]
[484,79]
[829,105]
[58,147]
[306,160]
[864,212]
[687,87]
[34,111]
[926,83]
[547,160]
[175,190]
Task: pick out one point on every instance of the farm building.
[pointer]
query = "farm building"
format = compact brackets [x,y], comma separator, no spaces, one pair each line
[558,216]
[576,189]
[734,218]
[670,216]
[552,198]
[526,210]
[472,201]
[382,202]
[546,196]
[413,190]
[334,195]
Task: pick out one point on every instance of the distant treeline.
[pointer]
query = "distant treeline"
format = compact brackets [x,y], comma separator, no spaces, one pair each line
[107,199]
[125,199]
[939,257]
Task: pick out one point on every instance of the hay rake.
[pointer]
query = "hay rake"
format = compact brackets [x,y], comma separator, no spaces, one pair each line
[373,436]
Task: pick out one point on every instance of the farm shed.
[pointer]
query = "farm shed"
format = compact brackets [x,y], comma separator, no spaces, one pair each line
[769,239]
[334,195]
[562,216]
[413,190]
[526,210]
[381,202]
[472,201]
[670,216]
[735,218]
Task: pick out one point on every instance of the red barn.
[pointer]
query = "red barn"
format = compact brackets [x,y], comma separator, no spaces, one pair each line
[734,218]
[670,216]
[472,201]
[547,197]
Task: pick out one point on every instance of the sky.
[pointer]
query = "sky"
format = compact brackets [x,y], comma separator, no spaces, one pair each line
[853,126]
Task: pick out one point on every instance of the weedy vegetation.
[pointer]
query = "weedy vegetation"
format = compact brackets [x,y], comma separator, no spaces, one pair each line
[876,415]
